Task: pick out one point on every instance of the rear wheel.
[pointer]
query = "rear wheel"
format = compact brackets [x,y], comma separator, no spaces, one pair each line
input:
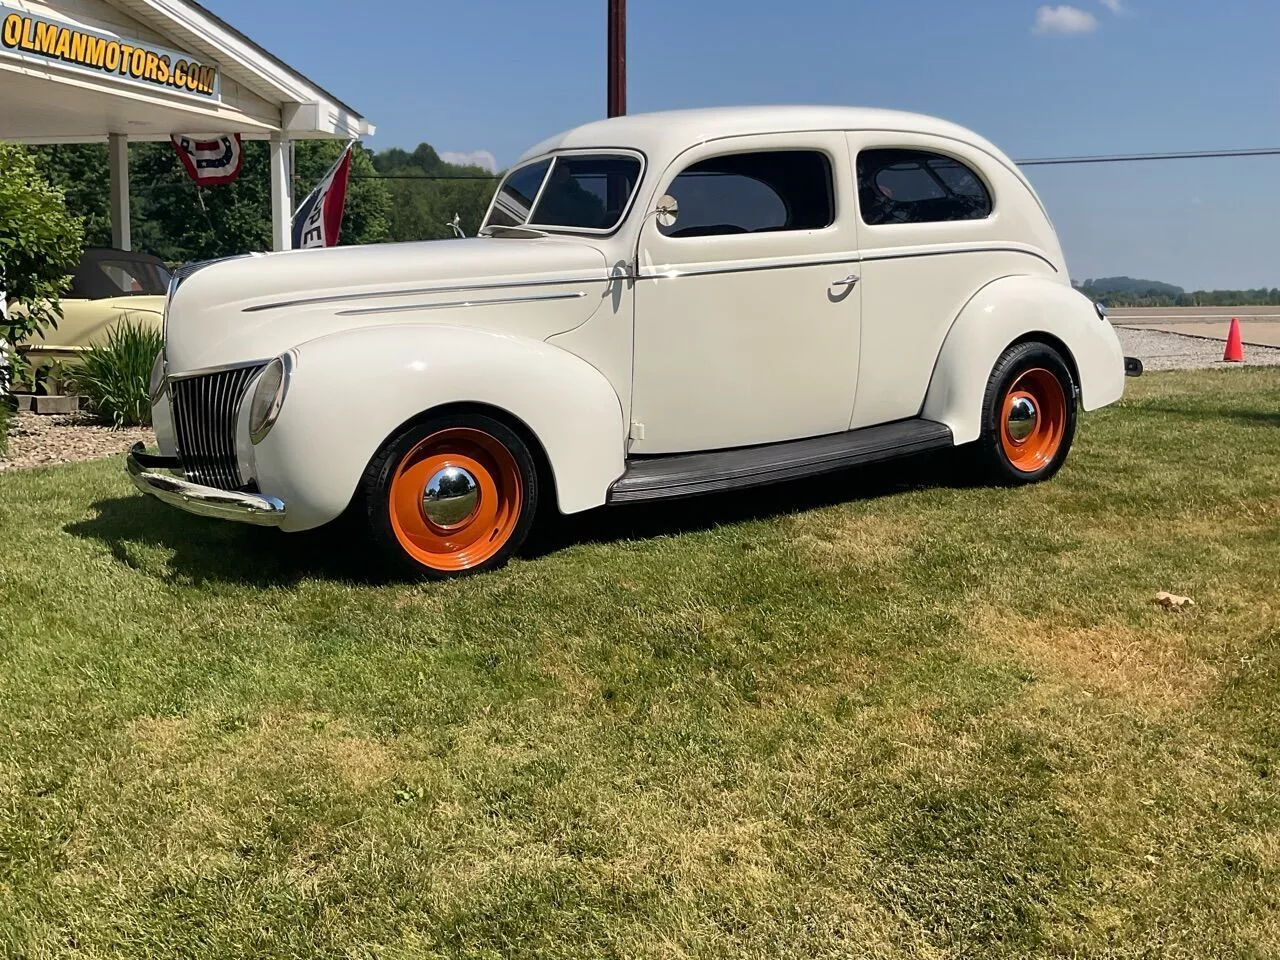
[451,496]
[1028,415]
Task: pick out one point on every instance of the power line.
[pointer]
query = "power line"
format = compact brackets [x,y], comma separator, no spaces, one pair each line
[414,176]
[1131,157]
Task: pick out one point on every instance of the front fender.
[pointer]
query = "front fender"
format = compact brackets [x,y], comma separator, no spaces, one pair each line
[1002,313]
[350,391]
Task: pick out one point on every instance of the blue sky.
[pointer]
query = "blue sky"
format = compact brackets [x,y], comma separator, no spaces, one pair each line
[1094,76]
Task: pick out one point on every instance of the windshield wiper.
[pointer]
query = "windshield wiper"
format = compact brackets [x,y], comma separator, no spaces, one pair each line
[494,229]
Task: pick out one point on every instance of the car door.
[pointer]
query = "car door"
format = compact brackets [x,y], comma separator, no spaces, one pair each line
[747,307]
[932,234]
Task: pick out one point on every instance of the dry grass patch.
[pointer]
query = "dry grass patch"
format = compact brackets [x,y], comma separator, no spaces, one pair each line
[840,538]
[1149,667]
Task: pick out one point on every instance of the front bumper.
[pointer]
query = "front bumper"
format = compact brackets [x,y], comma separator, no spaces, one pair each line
[144,470]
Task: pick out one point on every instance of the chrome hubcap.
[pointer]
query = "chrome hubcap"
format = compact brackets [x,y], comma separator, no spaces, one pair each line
[451,498]
[1022,418]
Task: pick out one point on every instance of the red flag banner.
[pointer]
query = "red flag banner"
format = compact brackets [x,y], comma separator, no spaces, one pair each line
[318,222]
[210,162]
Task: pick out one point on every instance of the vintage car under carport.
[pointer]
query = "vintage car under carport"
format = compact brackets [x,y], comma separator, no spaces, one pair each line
[109,287]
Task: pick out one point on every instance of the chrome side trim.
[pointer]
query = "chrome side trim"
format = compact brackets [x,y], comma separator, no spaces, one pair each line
[753,268]
[408,307]
[424,291]
[989,248]
[848,258]
[249,508]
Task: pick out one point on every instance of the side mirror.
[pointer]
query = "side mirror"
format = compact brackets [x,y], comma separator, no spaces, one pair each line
[667,210]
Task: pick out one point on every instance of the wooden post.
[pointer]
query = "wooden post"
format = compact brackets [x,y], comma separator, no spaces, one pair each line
[617,58]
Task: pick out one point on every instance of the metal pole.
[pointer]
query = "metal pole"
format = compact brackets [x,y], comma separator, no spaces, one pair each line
[617,58]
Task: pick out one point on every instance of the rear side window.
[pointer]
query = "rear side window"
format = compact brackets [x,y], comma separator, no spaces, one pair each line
[911,186]
[765,192]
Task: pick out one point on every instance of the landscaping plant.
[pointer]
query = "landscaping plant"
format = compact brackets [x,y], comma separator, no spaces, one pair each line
[116,374]
[40,244]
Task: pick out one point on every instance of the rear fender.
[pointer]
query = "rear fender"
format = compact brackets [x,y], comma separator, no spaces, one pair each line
[1008,311]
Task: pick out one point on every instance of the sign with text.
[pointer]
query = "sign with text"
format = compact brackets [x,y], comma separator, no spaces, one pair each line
[38,38]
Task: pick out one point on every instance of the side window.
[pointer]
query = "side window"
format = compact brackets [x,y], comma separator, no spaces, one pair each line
[911,186]
[754,193]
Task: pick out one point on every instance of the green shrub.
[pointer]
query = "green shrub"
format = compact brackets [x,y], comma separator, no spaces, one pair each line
[40,245]
[116,375]
[4,425]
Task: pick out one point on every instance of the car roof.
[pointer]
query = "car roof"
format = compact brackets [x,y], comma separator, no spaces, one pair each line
[667,133]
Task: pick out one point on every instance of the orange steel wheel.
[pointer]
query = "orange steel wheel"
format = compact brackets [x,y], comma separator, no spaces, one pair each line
[455,499]
[1033,420]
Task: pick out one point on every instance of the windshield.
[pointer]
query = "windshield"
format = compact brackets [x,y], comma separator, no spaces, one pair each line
[570,192]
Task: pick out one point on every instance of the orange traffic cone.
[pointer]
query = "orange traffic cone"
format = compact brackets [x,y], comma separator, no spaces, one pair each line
[1235,348]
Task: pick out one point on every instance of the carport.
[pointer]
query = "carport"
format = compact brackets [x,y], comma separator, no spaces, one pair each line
[82,71]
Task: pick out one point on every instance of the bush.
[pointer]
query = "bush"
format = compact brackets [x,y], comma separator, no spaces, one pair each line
[116,376]
[40,245]
[4,425]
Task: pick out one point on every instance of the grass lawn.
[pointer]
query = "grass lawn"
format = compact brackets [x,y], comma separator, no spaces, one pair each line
[879,715]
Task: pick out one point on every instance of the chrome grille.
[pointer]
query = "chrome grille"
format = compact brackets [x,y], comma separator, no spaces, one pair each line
[205,409]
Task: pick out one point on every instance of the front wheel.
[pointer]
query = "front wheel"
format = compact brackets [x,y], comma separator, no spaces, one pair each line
[1028,416]
[451,496]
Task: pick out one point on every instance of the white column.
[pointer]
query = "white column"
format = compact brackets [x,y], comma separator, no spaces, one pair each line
[281,194]
[118,161]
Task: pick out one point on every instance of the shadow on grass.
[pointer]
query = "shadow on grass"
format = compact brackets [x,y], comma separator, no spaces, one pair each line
[205,550]
[640,521]
[1201,411]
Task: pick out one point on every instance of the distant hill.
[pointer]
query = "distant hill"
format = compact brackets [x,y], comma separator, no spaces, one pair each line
[1130,286]
[1131,292]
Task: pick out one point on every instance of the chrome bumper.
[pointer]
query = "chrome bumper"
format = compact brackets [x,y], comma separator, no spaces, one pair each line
[193,498]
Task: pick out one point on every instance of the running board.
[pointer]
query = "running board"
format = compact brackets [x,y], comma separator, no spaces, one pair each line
[689,474]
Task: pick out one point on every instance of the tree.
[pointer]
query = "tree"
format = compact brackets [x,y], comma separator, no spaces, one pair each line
[40,245]
[427,192]
[78,170]
[180,221]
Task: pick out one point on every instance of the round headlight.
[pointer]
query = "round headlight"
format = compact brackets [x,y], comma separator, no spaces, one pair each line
[268,398]
[159,382]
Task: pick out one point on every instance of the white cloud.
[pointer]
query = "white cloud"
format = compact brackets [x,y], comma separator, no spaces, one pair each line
[1064,20]
[476,158]
[1115,6]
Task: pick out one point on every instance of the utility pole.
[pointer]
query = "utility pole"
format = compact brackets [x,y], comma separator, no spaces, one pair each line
[617,58]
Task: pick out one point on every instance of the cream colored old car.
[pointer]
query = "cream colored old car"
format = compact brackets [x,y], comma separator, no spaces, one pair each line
[659,306]
[109,287]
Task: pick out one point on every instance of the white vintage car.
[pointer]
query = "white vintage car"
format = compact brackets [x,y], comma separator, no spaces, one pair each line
[659,306]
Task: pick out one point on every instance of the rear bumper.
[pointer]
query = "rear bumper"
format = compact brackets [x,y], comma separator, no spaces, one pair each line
[146,472]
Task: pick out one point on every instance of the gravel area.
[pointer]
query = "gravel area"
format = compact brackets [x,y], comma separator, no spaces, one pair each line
[40,441]
[1159,350]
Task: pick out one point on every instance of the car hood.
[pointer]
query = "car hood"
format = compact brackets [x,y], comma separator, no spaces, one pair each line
[256,307]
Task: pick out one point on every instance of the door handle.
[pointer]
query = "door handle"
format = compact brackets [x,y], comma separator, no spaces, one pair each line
[848,281]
